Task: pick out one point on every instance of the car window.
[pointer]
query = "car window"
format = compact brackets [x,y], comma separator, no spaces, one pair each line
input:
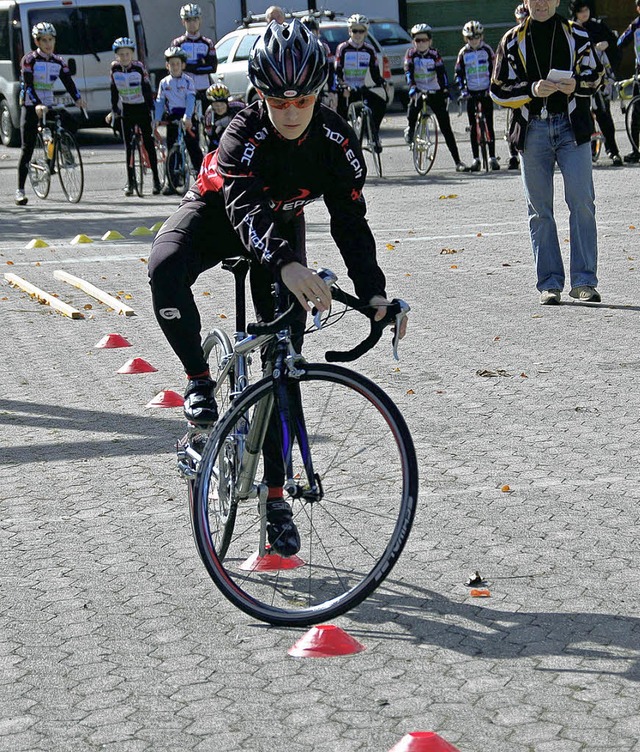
[334,35]
[85,31]
[389,32]
[224,48]
[245,47]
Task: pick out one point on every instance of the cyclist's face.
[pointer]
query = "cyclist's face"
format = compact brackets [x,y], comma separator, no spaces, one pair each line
[291,121]
[219,107]
[192,25]
[582,15]
[422,43]
[175,66]
[358,34]
[474,42]
[542,10]
[46,43]
[125,56]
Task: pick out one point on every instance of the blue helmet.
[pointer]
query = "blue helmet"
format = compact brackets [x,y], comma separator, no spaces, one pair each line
[122,43]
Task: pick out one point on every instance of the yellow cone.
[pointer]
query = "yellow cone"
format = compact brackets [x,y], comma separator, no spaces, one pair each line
[141,231]
[37,243]
[156,227]
[81,239]
[113,235]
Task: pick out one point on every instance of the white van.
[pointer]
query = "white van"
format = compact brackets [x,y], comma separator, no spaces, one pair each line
[85,30]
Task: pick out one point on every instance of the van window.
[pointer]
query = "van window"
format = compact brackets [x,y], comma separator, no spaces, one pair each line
[224,48]
[5,47]
[245,47]
[84,31]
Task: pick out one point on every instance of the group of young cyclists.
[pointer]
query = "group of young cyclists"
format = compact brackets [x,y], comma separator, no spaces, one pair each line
[187,93]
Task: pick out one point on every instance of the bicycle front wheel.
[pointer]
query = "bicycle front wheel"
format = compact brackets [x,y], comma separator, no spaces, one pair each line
[178,170]
[425,143]
[138,168]
[355,118]
[632,122]
[352,534]
[373,146]
[39,173]
[70,169]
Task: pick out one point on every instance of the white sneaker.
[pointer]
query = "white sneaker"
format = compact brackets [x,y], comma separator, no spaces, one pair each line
[475,165]
[21,199]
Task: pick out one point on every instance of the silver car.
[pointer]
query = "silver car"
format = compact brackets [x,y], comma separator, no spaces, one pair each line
[234,48]
[394,41]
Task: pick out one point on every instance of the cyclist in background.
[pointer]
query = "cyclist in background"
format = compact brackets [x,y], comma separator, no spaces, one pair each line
[175,101]
[521,12]
[201,52]
[354,58]
[425,72]
[132,104]
[277,155]
[473,75]
[40,69]
[329,94]
[632,33]
[219,113]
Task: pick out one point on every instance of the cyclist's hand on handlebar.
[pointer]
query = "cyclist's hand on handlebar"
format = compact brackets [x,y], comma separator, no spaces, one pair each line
[187,122]
[81,103]
[41,111]
[381,304]
[310,289]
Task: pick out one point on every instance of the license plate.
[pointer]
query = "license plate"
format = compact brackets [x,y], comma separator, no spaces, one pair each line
[63,100]
[396,61]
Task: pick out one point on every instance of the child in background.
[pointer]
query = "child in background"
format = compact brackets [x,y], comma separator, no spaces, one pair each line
[219,113]
[176,101]
[425,72]
[473,75]
[132,101]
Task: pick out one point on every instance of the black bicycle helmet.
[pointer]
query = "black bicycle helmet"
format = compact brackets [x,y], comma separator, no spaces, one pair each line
[287,61]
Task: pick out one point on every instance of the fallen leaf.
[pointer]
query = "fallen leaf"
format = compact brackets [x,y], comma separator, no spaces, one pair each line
[486,372]
[223,316]
[37,263]
[439,391]
[206,294]
[524,375]
[537,316]
[144,260]
[390,246]
[88,307]
[478,235]
[396,370]
[410,391]
[632,227]
[506,265]
[479,593]
[407,274]
[566,240]
[453,266]
[447,251]
[495,339]
[505,489]
[10,263]
[128,297]
[630,258]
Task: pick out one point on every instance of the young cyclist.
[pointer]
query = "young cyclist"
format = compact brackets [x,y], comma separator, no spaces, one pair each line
[175,101]
[277,155]
[632,33]
[201,53]
[425,72]
[329,94]
[219,113]
[354,58]
[521,12]
[132,101]
[473,75]
[40,69]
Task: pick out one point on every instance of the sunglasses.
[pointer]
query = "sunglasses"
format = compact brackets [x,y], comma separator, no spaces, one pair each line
[358,31]
[301,103]
[475,36]
[422,40]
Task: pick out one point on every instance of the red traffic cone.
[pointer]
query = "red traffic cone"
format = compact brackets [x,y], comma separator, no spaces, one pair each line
[113,340]
[271,562]
[325,641]
[166,399]
[136,365]
[423,741]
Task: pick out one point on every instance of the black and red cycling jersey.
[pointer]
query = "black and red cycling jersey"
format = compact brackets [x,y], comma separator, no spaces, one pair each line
[267,180]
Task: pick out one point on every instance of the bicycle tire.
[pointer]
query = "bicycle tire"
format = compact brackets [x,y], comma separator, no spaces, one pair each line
[70,170]
[354,116]
[371,146]
[596,146]
[39,172]
[138,168]
[177,170]
[364,456]
[425,143]
[217,349]
[161,155]
[633,115]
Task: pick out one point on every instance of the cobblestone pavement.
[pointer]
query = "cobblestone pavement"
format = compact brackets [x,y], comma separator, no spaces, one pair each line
[112,637]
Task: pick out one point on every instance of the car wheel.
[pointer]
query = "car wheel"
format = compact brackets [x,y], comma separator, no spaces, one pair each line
[9,134]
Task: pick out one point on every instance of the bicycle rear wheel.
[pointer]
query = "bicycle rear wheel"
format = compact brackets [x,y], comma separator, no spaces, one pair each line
[596,146]
[352,535]
[178,170]
[70,169]
[39,174]
[632,122]
[138,168]
[425,143]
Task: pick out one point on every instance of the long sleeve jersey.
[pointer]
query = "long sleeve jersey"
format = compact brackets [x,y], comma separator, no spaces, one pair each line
[353,63]
[39,74]
[512,78]
[474,67]
[266,180]
[130,85]
[425,71]
[176,96]
[202,58]
[215,125]
[632,32]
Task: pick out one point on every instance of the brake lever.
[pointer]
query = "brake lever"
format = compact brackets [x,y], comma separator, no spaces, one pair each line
[329,278]
[404,310]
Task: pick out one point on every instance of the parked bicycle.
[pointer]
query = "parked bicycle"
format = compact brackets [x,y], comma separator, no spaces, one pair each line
[597,137]
[629,92]
[483,136]
[360,118]
[424,145]
[179,170]
[56,150]
[139,162]
[349,461]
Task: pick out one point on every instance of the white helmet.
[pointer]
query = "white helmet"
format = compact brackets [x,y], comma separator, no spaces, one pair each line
[42,28]
[357,19]
[421,29]
[190,10]
[472,29]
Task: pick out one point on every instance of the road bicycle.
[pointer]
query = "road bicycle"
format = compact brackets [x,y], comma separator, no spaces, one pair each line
[56,150]
[179,170]
[483,137]
[350,468]
[631,109]
[597,137]
[360,118]
[424,144]
[139,163]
